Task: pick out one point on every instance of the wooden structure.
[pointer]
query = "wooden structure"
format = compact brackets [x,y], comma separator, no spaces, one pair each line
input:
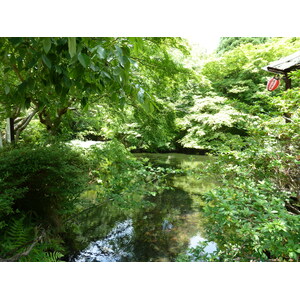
[284,66]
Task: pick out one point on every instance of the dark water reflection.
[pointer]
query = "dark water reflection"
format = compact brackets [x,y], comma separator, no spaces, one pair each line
[156,233]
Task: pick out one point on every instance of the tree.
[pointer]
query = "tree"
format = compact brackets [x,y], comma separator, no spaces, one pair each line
[238,75]
[229,43]
[49,77]
[212,123]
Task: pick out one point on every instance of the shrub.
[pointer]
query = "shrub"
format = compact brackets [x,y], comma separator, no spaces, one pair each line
[249,221]
[41,181]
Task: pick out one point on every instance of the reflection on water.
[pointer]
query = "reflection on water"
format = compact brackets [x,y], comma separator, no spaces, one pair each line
[113,247]
[159,232]
[210,248]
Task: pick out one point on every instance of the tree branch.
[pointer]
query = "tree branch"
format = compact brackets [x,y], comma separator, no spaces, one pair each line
[18,72]
[292,208]
[21,126]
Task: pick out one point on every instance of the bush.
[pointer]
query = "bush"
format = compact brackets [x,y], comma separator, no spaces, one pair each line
[256,213]
[249,221]
[41,181]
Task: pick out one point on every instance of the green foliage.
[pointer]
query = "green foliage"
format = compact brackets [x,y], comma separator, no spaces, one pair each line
[238,74]
[249,221]
[39,188]
[20,242]
[121,185]
[43,190]
[149,133]
[255,214]
[212,123]
[119,176]
[147,94]
[198,253]
[44,181]
[229,43]
[51,77]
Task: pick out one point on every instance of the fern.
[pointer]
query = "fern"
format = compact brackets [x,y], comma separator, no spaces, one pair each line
[16,238]
[53,256]
[21,236]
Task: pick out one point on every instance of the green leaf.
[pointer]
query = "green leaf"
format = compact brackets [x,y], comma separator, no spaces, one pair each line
[117,71]
[15,40]
[140,95]
[119,51]
[47,44]
[122,102]
[27,102]
[84,60]
[105,74]
[101,52]
[124,62]
[84,101]
[293,255]
[133,62]
[46,61]
[7,89]
[72,46]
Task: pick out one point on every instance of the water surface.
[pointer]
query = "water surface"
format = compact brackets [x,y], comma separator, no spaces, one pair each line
[160,232]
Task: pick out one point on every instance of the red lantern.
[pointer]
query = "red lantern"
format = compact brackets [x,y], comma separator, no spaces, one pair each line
[273,84]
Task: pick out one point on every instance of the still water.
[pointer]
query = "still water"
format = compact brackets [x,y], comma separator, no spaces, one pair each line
[170,226]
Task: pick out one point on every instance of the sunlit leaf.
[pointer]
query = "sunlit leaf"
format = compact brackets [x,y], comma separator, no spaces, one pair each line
[101,52]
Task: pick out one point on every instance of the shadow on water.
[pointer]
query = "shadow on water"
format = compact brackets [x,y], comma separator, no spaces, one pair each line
[156,229]
[159,232]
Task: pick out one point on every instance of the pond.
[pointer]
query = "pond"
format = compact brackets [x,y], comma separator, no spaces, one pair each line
[160,232]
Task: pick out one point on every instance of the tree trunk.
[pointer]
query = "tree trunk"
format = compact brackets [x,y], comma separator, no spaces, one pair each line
[20,125]
[10,132]
[52,123]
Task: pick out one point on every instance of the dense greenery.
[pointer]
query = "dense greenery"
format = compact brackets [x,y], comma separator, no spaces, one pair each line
[147,95]
[229,43]
[254,215]
[44,190]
